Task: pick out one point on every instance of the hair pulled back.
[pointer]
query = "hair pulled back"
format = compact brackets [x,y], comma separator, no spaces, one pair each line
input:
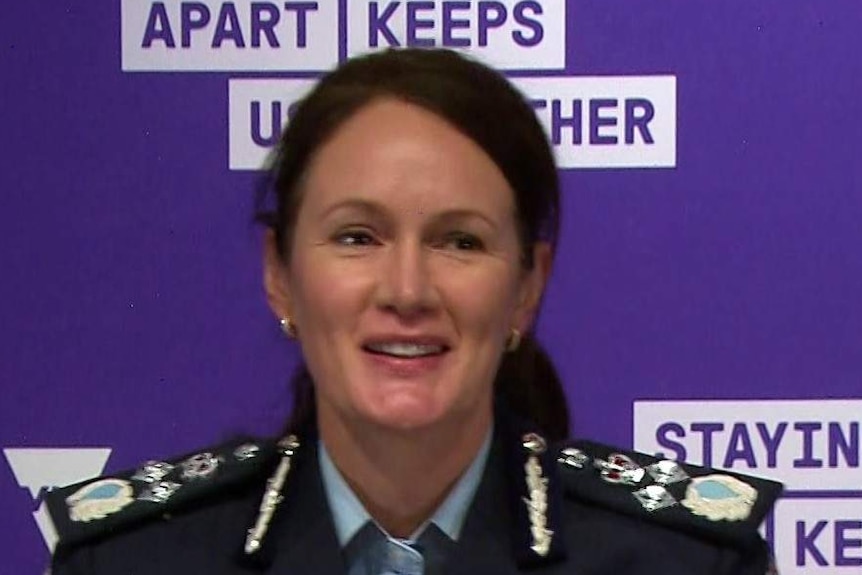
[482,105]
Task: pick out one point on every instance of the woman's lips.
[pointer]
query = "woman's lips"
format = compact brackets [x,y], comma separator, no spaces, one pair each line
[405,366]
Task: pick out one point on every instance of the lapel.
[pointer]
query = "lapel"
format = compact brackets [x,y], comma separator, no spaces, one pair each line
[301,539]
[485,543]
[496,528]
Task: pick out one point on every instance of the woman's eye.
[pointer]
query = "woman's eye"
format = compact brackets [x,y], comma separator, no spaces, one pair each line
[464,242]
[354,238]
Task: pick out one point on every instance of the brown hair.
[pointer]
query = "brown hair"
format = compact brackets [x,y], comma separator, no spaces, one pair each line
[481,104]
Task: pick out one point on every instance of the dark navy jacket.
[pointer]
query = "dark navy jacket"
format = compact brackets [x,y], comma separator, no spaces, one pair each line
[597,525]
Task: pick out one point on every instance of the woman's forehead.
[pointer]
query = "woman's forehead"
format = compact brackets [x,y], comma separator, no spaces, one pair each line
[395,152]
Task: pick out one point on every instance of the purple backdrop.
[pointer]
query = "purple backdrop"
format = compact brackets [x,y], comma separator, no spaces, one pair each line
[131,302]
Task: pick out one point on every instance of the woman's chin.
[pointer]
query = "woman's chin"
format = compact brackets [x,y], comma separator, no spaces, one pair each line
[405,411]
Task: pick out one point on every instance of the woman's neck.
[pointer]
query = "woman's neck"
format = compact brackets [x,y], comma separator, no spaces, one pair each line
[402,477]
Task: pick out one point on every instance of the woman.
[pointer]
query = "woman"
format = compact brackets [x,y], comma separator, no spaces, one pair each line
[412,227]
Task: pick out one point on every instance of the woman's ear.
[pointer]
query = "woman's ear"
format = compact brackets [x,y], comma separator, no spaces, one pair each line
[533,283]
[275,278]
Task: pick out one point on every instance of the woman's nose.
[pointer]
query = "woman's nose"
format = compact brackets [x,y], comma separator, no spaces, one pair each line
[406,285]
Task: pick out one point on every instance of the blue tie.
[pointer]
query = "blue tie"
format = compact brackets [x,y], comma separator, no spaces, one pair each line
[397,557]
[371,552]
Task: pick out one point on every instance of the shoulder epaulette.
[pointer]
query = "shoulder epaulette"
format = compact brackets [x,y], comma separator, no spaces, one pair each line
[720,506]
[97,507]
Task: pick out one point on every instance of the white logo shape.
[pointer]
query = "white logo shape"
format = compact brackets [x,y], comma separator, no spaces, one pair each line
[40,468]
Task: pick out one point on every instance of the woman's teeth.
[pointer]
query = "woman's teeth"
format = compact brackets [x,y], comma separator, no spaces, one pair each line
[405,349]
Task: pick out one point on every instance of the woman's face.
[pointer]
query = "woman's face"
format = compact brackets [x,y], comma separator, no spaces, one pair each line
[404,277]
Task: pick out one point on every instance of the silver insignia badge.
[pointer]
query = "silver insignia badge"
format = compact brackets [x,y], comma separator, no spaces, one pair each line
[200,466]
[654,497]
[159,492]
[666,472]
[153,471]
[720,498]
[246,451]
[99,499]
[537,488]
[272,497]
[534,443]
[573,457]
[620,468]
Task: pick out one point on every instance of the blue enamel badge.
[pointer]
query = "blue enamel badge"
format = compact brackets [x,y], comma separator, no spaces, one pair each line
[99,499]
[720,498]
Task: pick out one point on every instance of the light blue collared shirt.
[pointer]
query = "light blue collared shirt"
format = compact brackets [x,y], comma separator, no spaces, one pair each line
[349,515]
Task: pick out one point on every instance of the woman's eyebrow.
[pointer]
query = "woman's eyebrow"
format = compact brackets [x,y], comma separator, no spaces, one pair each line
[377,210]
[461,214]
[366,207]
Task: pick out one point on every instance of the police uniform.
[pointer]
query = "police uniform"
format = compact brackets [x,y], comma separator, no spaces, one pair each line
[261,507]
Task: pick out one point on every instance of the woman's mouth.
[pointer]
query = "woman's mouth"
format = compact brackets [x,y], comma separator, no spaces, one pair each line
[405,349]
[408,359]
